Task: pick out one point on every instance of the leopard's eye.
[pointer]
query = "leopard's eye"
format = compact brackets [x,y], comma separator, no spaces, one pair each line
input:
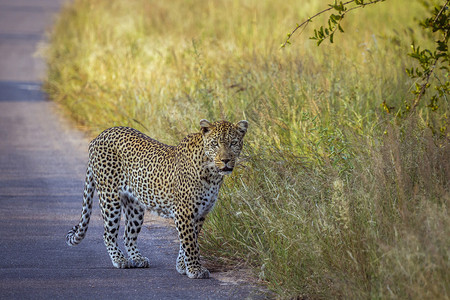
[214,143]
[234,143]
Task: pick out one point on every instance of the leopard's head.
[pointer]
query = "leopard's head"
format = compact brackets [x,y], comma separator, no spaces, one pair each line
[223,143]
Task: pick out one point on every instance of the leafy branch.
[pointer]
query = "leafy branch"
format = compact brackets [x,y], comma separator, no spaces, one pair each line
[429,60]
[438,58]
[334,21]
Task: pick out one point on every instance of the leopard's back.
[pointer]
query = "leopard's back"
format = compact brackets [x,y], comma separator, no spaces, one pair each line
[136,164]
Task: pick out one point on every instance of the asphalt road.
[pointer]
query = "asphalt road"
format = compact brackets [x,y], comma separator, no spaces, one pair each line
[42,164]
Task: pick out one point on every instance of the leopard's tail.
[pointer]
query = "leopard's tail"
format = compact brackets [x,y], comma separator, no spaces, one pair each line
[77,233]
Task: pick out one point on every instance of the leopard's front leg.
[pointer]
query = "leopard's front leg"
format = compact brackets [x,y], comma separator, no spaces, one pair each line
[181,266]
[188,261]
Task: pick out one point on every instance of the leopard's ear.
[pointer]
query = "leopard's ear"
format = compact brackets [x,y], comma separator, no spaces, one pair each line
[242,126]
[205,125]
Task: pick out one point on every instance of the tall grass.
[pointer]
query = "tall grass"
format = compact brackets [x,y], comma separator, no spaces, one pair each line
[334,198]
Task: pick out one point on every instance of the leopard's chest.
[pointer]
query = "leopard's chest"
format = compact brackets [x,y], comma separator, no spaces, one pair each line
[207,197]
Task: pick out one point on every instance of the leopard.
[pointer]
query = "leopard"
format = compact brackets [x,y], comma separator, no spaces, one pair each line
[133,173]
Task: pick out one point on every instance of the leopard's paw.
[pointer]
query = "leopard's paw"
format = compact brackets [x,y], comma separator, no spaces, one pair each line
[197,273]
[139,262]
[121,263]
[181,267]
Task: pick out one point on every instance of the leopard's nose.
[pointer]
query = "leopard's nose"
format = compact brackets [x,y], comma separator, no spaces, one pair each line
[226,161]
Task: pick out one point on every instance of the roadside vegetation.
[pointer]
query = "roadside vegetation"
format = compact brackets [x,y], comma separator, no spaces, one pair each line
[336,196]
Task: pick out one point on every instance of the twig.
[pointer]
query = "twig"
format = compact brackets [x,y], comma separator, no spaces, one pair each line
[440,12]
[304,23]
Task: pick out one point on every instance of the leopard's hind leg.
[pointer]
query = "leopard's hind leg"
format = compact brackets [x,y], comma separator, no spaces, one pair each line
[134,217]
[111,210]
